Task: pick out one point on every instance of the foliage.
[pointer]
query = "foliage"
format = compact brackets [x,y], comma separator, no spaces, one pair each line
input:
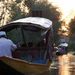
[18,38]
[18,1]
[71,46]
[49,12]
[15,11]
[72,25]
[72,29]
[74,54]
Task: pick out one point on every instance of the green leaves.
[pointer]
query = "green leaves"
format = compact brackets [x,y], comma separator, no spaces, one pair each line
[18,1]
[72,25]
[49,11]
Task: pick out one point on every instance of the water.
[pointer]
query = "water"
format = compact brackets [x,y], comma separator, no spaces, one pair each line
[63,65]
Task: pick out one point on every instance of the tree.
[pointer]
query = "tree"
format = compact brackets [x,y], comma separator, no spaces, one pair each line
[72,25]
[49,11]
[7,9]
[72,29]
[15,10]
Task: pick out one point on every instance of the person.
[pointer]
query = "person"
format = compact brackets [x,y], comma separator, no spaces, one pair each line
[62,49]
[6,45]
[24,45]
[30,44]
[42,43]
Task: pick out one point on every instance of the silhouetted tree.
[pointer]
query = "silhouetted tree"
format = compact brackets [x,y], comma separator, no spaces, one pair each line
[72,25]
[49,12]
[72,29]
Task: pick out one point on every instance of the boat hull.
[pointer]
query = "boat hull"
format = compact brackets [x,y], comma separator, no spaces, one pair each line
[22,67]
[7,70]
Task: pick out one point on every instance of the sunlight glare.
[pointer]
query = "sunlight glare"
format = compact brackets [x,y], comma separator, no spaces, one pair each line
[64,28]
[67,7]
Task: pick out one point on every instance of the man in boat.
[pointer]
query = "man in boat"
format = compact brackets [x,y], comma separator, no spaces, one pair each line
[6,45]
[62,49]
[42,43]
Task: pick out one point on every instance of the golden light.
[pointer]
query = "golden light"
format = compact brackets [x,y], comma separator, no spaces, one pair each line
[63,28]
[23,7]
[67,8]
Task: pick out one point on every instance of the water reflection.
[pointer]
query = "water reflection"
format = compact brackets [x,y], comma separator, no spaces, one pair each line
[45,73]
[65,65]
[72,65]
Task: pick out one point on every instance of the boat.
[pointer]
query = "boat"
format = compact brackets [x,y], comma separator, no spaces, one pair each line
[34,39]
[62,49]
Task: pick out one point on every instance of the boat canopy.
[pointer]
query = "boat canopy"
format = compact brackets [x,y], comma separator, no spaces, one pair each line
[63,45]
[30,23]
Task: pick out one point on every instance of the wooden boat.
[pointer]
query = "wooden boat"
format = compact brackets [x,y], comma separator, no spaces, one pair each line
[28,59]
[62,49]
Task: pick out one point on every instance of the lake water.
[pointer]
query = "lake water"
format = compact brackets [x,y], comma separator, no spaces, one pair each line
[63,65]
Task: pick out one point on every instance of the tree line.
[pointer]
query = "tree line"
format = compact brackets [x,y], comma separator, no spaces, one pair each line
[16,10]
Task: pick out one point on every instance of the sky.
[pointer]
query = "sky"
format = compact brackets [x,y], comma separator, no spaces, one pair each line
[67,7]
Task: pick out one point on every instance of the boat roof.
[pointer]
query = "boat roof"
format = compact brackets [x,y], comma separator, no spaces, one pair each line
[36,22]
[63,45]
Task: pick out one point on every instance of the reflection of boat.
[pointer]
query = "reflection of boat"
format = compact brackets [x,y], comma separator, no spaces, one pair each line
[29,60]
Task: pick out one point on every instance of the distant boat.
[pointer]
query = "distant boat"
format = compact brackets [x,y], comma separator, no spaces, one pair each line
[62,49]
[28,59]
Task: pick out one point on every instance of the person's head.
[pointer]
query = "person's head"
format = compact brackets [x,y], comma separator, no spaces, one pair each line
[2,34]
[30,44]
